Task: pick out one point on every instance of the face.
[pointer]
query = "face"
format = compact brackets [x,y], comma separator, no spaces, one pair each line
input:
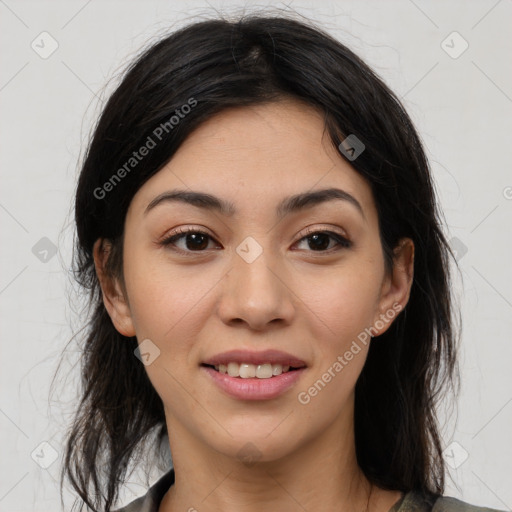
[261,282]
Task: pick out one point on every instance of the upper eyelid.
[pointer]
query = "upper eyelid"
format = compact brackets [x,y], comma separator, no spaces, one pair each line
[313,230]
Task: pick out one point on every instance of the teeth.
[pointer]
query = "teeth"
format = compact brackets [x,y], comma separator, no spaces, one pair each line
[233,370]
[247,370]
[264,371]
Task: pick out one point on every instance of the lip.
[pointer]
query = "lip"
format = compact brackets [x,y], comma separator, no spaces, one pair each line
[251,357]
[254,388]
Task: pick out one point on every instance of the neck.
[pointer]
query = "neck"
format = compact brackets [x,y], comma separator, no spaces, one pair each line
[321,475]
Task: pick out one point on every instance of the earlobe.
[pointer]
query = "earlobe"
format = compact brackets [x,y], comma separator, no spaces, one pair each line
[397,285]
[113,297]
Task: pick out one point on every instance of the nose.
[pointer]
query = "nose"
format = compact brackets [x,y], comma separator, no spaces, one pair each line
[256,295]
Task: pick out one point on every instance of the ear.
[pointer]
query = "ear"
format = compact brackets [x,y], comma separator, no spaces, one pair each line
[396,287]
[114,298]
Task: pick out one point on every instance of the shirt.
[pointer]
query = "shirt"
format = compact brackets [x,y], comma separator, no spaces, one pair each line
[410,502]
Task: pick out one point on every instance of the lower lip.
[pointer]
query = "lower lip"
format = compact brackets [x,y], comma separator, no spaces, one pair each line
[254,388]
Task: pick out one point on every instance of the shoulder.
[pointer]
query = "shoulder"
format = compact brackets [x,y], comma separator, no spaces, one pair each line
[416,502]
[446,504]
[150,502]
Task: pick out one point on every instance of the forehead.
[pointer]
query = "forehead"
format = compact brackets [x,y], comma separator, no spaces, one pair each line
[254,156]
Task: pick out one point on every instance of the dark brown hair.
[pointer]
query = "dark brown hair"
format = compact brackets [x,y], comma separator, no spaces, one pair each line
[221,64]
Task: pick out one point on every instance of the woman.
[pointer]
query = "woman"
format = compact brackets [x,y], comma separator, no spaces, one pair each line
[269,282]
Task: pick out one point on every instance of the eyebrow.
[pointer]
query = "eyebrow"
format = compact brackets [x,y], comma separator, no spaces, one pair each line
[288,205]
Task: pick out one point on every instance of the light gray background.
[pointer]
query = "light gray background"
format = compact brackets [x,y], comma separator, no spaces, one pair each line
[462,107]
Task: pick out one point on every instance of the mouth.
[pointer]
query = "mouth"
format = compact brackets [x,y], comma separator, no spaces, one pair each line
[246,375]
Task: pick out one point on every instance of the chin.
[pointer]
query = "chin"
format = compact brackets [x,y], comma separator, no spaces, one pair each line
[261,441]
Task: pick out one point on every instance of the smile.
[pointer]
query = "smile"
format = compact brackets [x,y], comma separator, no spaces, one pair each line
[250,375]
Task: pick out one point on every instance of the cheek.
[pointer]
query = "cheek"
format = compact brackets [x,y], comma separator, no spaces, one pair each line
[344,303]
[169,303]
[338,312]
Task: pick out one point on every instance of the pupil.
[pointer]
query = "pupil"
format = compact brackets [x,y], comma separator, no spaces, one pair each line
[197,243]
[316,245]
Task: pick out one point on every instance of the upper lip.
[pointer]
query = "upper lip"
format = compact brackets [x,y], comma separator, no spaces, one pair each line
[251,357]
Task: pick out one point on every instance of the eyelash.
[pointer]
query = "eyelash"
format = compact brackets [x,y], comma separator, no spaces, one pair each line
[182,232]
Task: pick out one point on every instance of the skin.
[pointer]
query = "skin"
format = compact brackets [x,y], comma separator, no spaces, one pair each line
[309,303]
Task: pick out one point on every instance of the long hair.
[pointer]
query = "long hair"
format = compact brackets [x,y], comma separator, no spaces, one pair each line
[209,66]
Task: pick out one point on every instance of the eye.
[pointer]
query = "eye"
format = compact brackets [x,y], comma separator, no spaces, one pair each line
[194,240]
[319,241]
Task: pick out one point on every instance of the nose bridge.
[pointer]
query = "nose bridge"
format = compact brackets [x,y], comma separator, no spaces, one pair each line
[253,290]
[256,271]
